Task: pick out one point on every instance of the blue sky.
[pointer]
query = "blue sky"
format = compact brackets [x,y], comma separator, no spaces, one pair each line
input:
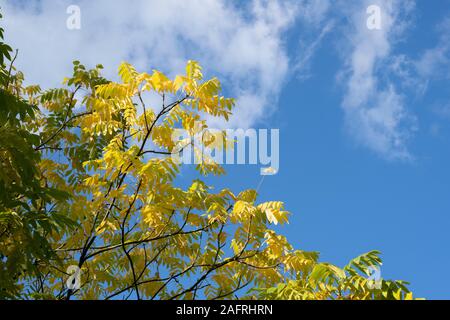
[364,115]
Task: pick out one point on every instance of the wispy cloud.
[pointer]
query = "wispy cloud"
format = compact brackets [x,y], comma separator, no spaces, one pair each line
[435,62]
[431,66]
[317,23]
[375,111]
[245,45]
[308,50]
[242,44]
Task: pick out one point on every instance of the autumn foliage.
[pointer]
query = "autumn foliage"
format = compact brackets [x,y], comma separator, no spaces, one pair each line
[88,178]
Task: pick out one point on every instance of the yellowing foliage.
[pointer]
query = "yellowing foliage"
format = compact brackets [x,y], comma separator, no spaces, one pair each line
[140,235]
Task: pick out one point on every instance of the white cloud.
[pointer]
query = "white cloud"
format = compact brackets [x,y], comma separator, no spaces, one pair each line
[405,70]
[435,62]
[317,20]
[242,45]
[375,112]
[313,12]
[308,49]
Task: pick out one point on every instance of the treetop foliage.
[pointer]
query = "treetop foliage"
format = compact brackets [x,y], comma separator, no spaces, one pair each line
[87,179]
